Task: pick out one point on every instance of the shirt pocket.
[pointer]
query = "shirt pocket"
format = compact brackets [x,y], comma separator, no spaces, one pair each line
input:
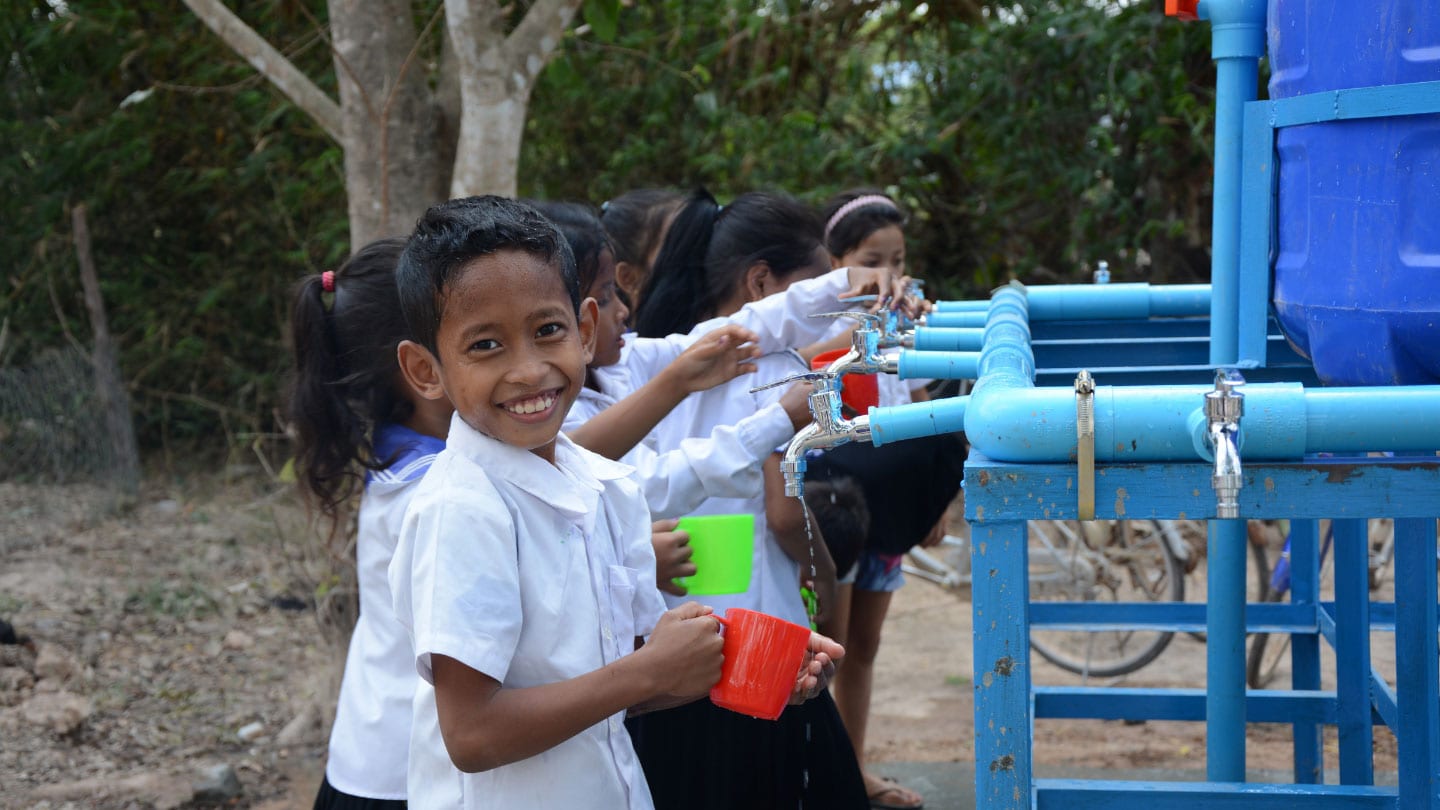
[623,583]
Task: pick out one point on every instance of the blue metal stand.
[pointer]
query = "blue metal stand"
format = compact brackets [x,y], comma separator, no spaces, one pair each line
[1001,497]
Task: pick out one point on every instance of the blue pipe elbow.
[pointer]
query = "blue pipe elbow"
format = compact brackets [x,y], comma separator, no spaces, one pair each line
[1237,28]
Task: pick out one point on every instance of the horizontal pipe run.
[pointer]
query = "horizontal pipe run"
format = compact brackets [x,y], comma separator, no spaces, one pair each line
[934,339]
[939,365]
[1057,302]
[1007,420]
[929,418]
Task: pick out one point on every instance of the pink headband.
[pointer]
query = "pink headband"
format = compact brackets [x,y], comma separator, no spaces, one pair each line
[327,281]
[858,202]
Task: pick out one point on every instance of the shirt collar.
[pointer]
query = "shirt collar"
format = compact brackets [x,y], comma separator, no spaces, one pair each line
[571,485]
[406,454]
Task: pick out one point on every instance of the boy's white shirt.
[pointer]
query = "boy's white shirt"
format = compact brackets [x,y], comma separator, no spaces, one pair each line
[531,573]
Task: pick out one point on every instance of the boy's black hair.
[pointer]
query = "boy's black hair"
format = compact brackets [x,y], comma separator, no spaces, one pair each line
[346,377]
[708,249]
[583,231]
[453,234]
[857,225]
[843,516]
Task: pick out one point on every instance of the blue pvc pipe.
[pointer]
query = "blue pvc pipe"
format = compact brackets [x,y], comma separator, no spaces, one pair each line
[1058,302]
[937,339]
[939,365]
[963,320]
[930,418]
[1225,652]
[1237,43]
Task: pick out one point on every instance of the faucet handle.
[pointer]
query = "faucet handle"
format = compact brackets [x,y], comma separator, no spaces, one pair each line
[803,376]
[868,320]
[1228,381]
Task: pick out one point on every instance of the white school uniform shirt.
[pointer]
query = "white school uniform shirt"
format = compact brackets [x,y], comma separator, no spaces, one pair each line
[775,577]
[724,464]
[530,573]
[371,733]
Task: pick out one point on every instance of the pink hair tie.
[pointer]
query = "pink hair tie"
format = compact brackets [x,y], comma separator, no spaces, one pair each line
[327,281]
[859,202]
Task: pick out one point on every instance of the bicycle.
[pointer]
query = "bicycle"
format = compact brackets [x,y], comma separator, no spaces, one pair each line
[1264,658]
[1073,561]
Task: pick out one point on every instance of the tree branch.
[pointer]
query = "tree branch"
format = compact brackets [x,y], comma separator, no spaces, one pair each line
[271,63]
[538,35]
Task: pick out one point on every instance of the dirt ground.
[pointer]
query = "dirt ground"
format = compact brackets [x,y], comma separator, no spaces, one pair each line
[175,650]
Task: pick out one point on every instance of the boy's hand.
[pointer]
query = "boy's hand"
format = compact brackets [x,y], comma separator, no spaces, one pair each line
[796,402]
[687,651]
[672,555]
[718,357]
[817,670]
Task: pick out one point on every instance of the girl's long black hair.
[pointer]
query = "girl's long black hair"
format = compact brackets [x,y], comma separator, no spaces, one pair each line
[346,380]
[709,248]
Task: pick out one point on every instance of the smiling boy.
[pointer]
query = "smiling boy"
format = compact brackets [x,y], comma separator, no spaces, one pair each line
[524,570]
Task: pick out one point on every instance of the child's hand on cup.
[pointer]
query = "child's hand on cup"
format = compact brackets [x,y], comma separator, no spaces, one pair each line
[815,673]
[688,650]
[718,357]
[672,555]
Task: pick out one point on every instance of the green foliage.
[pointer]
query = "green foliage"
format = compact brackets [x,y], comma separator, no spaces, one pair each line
[208,195]
[1027,141]
[1025,144]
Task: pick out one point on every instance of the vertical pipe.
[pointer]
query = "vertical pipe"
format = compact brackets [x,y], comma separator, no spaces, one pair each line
[1415,663]
[1001,605]
[1235,83]
[1352,652]
[1225,652]
[1305,647]
[1237,41]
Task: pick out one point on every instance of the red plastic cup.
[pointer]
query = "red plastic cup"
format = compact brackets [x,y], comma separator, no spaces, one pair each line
[763,655]
[859,392]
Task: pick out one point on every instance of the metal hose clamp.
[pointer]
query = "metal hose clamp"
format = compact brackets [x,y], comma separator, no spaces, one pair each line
[1085,443]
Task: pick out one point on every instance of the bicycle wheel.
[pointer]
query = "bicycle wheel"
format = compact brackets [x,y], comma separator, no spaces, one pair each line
[1269,652]
[1102,561]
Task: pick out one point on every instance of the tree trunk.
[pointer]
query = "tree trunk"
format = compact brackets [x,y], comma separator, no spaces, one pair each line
[497,74]
[390,123]
[119,431]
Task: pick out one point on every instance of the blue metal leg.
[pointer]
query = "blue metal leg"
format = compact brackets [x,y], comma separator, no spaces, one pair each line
[1416,652]
[1000,599]
[1225,653]
[1305,647]
[1352,652]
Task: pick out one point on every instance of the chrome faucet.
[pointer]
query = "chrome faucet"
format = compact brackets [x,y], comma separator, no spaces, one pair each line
[1223,408]
[864,356]
[830,428]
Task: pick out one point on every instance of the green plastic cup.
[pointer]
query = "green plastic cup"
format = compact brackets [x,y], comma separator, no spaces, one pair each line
[720,547]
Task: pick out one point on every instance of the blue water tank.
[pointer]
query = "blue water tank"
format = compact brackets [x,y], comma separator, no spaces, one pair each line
[1357,278]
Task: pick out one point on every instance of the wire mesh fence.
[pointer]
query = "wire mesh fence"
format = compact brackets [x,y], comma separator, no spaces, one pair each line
[52,424]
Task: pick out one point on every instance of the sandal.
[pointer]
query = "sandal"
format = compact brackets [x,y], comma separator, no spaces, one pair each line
[894,796]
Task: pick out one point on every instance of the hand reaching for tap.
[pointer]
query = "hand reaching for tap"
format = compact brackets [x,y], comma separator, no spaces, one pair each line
[891,291]
[796,402]
[718,357]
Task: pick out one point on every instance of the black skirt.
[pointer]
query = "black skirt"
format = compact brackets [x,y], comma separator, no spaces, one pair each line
[331,799]
[702,757]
